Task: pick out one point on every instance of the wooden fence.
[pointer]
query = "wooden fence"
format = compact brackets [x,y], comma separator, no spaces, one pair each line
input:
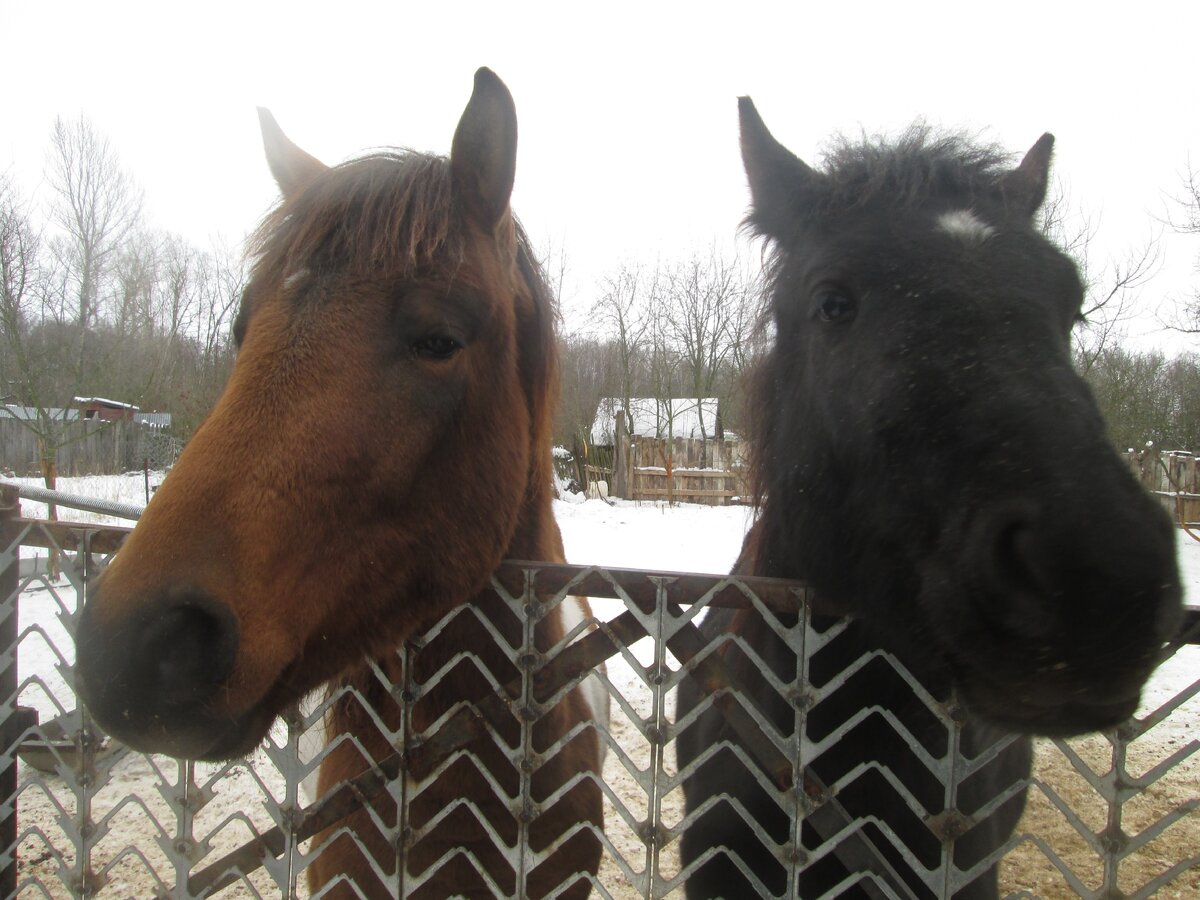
[686,470]
[714,472]
[91,448]
[1173,476]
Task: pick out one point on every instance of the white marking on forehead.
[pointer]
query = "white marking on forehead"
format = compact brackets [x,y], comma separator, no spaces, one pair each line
[966,226]
[296,279]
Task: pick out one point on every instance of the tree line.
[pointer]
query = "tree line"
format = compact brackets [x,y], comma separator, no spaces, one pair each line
[685,329]
[94,301]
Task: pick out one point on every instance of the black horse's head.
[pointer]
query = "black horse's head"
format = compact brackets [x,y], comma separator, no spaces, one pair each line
[929,459]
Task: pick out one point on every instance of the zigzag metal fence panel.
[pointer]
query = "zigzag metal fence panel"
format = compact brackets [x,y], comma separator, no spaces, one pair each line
[1109,815]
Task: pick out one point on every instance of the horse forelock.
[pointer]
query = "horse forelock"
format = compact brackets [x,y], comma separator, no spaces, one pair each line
[390,212]
[920,166]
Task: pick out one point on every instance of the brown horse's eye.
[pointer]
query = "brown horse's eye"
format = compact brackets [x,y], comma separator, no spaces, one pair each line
[835,306]
[436,346]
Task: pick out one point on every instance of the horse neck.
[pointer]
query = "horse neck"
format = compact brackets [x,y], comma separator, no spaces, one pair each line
[536,536]
[771,548]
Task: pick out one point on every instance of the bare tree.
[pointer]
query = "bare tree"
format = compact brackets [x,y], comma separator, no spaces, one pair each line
[1187,221]
[25,373]
[703,299]
[19,273]
[748,329]
[134,277]
[587,372]
[96,205]
[554,263]
[626,312]
[1110,290]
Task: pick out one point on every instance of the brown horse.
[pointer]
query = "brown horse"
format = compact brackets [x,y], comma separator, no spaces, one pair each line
[383,443]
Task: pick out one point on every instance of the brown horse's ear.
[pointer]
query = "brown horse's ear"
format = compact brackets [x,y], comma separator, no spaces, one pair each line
[1024,188]
[780,183]
[292,167]
[483,157]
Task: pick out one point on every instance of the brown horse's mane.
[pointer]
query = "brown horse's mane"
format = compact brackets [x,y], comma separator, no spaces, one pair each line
[389,212]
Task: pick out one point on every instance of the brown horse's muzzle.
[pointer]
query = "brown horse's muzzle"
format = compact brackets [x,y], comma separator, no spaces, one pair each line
[150,673]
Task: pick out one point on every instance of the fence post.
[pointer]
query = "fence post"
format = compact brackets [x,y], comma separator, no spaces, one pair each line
[621,485]
[16,724]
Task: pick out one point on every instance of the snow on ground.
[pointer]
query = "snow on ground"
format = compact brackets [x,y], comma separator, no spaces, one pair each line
[629,535]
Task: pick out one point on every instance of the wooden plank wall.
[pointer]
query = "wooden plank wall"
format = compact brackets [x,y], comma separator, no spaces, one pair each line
[711,472]
[93,448]
[1174,476]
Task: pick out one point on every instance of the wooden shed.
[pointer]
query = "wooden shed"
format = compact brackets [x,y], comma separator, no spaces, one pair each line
[672,450]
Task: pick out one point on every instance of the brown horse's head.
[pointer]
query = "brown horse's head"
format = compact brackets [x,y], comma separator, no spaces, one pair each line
[381,445]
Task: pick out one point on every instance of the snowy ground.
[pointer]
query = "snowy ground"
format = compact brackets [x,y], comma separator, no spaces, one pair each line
[684,538]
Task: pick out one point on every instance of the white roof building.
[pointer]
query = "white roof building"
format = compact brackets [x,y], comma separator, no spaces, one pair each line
[655,418]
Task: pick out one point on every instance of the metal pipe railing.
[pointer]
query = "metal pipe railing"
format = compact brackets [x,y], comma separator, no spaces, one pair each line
[72,501]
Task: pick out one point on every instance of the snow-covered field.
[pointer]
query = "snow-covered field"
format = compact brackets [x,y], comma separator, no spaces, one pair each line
[620,534]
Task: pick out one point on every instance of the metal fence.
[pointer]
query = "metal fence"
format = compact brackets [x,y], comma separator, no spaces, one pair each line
[1110,815]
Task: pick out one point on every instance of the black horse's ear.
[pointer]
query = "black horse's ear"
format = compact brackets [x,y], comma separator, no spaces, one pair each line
[483,157]
[292,167]
[1024,188]
[781,185]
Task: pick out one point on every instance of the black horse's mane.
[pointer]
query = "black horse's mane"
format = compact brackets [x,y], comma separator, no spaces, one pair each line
[918,166]
[906,171]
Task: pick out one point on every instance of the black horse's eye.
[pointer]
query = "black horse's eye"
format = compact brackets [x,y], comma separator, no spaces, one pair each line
[436,346]
[835,306]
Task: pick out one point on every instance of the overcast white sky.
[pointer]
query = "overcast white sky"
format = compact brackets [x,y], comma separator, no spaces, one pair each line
[628,127]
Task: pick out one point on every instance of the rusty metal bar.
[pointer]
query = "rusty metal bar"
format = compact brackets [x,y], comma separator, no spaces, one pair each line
[72,501]
[10,566]
[72,535]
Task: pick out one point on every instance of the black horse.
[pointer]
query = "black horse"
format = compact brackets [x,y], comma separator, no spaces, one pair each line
[929,461]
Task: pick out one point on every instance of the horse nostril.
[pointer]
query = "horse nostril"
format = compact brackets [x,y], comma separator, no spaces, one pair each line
[1013,555]
[157,666]
[189,647]
[1018,594]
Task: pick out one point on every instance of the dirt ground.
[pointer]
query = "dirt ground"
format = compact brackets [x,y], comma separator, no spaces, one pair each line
[1028,868]
[131,843]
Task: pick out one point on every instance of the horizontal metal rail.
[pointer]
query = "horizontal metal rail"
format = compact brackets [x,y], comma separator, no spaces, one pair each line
[72,501]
